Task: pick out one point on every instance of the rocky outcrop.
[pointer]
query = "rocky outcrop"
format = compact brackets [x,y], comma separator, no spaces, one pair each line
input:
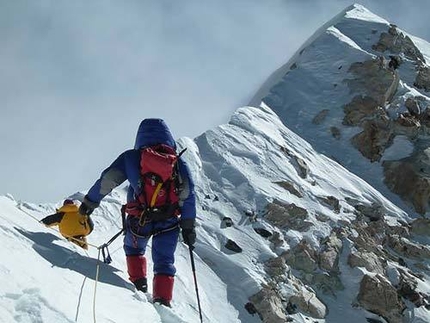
[298,163]
[290,187]
[374,139]
[407,248]
[421,227]
[422,80]
[331,202]
[410,179]
[302,257]
[373,78]
[276,267]
[307,302]
[287,216]
[328,257]
[374,83]
[368,260]
[233,246]
[396,42]
[320,117]
[269,306]
[377,295]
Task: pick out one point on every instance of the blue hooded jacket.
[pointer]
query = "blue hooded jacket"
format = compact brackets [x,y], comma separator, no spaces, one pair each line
[127,167]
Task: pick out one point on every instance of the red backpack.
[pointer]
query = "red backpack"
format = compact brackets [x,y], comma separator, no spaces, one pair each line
[160,182]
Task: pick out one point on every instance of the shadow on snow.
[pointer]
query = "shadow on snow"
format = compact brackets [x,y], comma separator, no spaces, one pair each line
[64,258]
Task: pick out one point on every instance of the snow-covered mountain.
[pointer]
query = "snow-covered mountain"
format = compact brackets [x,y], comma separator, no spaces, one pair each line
[284,232]
[344,93]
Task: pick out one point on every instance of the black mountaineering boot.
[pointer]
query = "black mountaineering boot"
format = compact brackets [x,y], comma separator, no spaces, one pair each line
[141,284]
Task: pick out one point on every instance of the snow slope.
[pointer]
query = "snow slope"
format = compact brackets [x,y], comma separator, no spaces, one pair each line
[314,80]
[46,279]
[237,169]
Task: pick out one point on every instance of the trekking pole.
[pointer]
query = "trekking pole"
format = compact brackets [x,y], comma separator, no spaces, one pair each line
[193,267]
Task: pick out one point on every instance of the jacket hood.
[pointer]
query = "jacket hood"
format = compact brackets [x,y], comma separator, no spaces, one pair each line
[152,132]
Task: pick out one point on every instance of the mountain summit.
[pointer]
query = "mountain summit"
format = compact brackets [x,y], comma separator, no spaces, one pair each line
[357,90]
[285,231]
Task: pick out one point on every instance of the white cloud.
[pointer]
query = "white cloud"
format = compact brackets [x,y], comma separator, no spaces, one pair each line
[76,77]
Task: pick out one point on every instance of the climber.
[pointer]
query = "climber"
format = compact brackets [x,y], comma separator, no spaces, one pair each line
[160,201]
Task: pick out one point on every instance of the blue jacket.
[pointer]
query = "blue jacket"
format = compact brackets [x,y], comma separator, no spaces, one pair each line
[127,167]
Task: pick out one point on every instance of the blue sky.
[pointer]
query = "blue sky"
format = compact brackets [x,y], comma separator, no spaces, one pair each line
[77,77]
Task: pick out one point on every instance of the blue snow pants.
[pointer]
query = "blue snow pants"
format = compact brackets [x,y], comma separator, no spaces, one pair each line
[164,240]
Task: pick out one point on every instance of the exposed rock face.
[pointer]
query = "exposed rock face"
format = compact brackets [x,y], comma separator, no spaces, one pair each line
[410,178]
[396,42]
[359,108]
[421,227]
[302,257]
[407,248]
[332,202]
[423,78]
[276,267]
[374,79]
[233,246]
[374,139]
[377,295]
[269,306]
[375,82]
[290,187]
[299,164]
[367,260]
[287,216]
[263,232]
[373,211]
[308,303]
[320,117]
[328,257]
[413,107]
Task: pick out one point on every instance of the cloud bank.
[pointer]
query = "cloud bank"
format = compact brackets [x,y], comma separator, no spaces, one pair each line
[77,77]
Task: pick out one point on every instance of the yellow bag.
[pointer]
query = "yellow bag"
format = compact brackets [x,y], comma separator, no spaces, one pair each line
[73,224]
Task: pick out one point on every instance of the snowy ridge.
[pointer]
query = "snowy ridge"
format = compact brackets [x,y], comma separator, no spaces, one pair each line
[355,11]
[240,169]
[239,163]
[314,79]
[47,279]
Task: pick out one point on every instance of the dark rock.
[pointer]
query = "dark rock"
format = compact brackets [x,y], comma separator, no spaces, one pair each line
[231,245]
[377,295]
[250,308]
[423,79]
[226,222]
[275,267]
[335,132]
[291,308]
[263,232]
[396,42]
[268,305]
[331,201]
[320,117]
[371,320]
[287,216]
[377,135]
[410,179]
[290,187]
